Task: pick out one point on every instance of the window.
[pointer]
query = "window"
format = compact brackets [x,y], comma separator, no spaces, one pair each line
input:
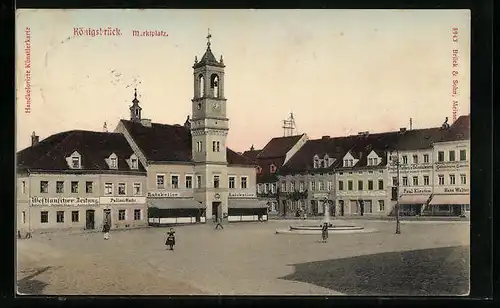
[259,188]
[23,189]
[351,162]
[189,181]
[463,155]
[463,179]
[375,161]
[160,181]
[108,189]
[89,187]
[451,155]
[381,171]
[370,185]
[360,185]
[370,161]
[44,187]
[405,159]
[174,181]
[341,173]
[272,168]
[405,181]
[292,186]
[452,179]
[232,182]
[321,185]
[122,189]
[198,180]
[266,188]
[75,162]
[440,156]
[350,172]
[134,163]
[415,181]
[59,187]
[216,181]
[75,216]
[137,214]
[113,162]
[349,185]
[426,158]
[341,185]
[301,185]
[370,172]
[380,184]
[315,164]
[121,214]
[381,206]
[360,172]
[273,188]
[394,181]
[313,185]
[74,187]
[441,179]
[426,180]
[329,185]
[213,146]
[24,217]
[44,217]
[283,186]
[60,216]
[199,146]
[243,182]
[415,159]
[137,189]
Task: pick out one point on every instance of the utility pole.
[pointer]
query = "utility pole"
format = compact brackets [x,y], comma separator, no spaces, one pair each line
[398,224]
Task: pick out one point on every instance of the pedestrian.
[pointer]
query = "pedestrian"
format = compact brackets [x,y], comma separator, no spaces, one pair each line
[305,215]
[219,223]
[106,229]
[324,232]
[170,240]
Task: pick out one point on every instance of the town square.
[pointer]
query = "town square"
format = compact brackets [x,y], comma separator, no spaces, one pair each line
[231,167]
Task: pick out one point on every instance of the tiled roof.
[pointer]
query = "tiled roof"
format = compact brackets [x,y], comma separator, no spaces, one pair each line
[94,147]
[279,146]
[162,142]
[360,146]
[251,154]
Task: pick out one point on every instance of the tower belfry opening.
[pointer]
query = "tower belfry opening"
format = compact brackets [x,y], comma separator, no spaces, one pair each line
[289,126]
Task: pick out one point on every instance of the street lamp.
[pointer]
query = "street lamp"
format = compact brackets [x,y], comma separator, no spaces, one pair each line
[396,161]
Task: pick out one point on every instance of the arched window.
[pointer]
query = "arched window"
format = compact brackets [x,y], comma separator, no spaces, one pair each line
[214,85]
[201,86]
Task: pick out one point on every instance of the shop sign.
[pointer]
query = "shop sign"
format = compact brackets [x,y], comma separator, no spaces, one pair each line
[414,191]
[242,195]
[451,165]
[163,194]
[122,200]
[61,201]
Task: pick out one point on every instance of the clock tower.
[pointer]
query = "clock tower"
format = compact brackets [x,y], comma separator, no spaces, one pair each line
[209,129]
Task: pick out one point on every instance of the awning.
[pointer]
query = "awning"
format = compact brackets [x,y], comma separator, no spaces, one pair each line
[166,203]
[450,199]
[247,204]
[413,199]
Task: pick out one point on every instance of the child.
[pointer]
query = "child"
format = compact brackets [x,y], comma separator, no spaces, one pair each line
[170,239]
[105,229]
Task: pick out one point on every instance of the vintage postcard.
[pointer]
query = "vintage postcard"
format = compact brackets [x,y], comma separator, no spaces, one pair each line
[243,152]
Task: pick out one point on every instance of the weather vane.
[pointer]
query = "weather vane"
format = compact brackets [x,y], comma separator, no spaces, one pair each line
[208,37]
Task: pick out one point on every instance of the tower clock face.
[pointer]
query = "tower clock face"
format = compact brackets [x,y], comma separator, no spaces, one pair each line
[199,106]
[216,105]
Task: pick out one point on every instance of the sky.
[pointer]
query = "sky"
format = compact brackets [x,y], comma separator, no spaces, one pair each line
[339,71]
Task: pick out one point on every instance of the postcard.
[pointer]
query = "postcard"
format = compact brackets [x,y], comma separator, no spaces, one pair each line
[243,152]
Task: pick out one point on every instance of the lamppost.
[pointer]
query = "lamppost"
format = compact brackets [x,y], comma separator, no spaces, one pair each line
[396,161]
[327,210]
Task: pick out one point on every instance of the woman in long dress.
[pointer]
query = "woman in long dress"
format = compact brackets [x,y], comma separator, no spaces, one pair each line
[324,232]
[170,241]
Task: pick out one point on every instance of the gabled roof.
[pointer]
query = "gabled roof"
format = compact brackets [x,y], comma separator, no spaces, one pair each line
[251,154]
[279,146]
[94,147]
[163,142]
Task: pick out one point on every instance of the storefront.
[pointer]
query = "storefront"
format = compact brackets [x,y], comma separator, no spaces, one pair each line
[449,204]
[413,201]
[123,212]
[169,211]
[247,210]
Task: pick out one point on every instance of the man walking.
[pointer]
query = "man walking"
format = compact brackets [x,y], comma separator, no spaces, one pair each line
[106,229]
[219,223]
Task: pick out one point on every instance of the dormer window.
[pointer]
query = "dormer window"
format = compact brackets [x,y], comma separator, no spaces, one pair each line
[134,163]
[75,162]
[112,162]
[258,169]
[272,168]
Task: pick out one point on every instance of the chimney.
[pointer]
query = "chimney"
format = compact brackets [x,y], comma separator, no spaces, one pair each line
[252,148]
[146,122]
[34,139]
[411,123]
[325,137]
[402,130]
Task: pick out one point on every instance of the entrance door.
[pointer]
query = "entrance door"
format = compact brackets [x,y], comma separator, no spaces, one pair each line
[107,216]
[341,204]
[89,220]
[216,209]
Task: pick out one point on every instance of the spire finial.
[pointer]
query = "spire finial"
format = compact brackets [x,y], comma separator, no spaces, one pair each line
[208,38]
[135,93]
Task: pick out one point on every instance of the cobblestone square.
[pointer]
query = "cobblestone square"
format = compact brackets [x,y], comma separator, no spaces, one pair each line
[241,259]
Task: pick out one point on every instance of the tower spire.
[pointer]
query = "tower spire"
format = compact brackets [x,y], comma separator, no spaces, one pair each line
[135,109]
[209,36]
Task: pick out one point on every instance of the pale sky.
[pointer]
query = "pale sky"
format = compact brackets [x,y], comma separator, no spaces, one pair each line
[339,71]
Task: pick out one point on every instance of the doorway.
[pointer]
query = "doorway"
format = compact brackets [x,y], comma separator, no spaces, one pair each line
[216,209]
[341,205]
[106,216]
[90,220]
